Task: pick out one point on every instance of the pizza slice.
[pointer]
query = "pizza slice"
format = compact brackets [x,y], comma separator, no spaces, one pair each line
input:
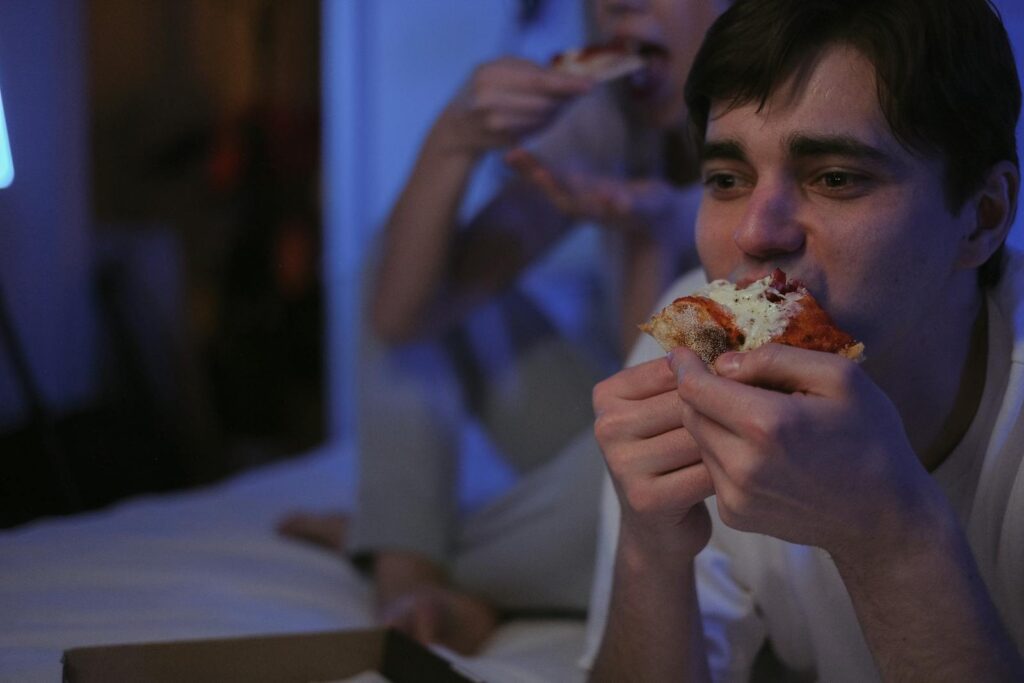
[601,62]
[723,316]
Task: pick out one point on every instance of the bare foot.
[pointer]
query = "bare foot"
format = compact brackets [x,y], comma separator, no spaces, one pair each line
[437,614]
[324,529]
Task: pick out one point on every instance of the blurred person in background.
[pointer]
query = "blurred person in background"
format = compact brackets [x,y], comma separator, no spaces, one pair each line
[508,319]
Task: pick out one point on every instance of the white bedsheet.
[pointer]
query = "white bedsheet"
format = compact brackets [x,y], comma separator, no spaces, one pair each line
[207,563]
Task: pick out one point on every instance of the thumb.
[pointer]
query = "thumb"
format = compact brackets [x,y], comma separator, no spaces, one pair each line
[789,369]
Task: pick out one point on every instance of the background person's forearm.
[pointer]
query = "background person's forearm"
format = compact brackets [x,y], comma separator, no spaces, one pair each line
[417,239]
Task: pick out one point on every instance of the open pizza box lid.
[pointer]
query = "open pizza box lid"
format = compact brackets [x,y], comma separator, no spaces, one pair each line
[326,656]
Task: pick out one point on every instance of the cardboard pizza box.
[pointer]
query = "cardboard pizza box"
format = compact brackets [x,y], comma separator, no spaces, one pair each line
[306,657]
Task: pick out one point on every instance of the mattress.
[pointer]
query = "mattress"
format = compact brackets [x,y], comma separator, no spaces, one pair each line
[207,563]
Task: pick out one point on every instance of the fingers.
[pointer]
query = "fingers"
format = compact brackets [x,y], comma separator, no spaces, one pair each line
[417,615]
[505,100]
[535,172]
[517,101]
[520,74]
[792,370]
[634,383]
[523,86]
[710,398]
[693,483]
[652,457]
[668,496]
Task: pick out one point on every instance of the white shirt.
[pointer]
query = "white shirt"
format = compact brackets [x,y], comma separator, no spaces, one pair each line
[753,587]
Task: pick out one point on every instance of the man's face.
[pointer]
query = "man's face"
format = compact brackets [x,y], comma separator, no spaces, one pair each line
[674,30]
[816,183]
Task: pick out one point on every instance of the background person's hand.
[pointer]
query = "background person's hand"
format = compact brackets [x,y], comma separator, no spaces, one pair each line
[647,205]
[504,101]
[442,615]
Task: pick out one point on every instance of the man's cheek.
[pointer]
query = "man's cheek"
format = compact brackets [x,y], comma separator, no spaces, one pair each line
[716,249]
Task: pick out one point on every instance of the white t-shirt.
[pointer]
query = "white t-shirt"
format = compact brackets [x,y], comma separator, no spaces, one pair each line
[752,587]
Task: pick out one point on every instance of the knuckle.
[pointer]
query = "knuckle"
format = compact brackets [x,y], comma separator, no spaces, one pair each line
[538,80]
[483,72]
[734,509]
[609,426]
[847,377]
[639,498]
[494,121]
[601,396]
[764,426]
[744,475]
[688,384]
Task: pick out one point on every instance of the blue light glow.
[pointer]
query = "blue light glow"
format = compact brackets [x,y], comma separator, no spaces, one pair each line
[6,162]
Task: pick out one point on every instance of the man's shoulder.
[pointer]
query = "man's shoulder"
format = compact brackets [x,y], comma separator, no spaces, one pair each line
[1009,297]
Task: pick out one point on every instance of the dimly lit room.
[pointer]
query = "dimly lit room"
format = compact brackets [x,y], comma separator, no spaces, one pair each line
[511,340]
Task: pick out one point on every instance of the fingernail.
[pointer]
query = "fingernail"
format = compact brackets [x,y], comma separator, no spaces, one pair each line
[728,363]
[676,365]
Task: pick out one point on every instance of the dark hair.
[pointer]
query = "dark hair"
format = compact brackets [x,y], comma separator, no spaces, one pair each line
[947,80]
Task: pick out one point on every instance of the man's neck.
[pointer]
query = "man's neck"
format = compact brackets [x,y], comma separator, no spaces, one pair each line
[966,400]
[939,397]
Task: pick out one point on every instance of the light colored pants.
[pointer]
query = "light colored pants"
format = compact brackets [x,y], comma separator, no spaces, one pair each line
[532,547]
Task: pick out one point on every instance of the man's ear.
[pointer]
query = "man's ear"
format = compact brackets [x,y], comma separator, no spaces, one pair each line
[992,209]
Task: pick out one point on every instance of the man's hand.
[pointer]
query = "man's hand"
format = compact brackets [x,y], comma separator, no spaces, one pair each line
[648,205]
[803,446]
[654,462]
[504,101]
[654,628]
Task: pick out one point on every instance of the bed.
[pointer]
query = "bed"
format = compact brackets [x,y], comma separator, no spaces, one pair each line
[207,563]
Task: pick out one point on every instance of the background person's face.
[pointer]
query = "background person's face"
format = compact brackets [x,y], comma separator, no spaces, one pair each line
[816,183]
[676,26]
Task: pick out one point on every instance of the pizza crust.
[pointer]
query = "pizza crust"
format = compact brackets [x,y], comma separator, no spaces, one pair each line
[599,62]
[724,317]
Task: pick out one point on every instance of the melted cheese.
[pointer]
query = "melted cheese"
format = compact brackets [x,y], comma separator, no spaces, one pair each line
[760,320]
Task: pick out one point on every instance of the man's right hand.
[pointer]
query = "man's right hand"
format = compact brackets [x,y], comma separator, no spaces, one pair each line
[504,101]
[654,463]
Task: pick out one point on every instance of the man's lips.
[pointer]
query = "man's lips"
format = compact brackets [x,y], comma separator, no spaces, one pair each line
[781,280]
[749,278]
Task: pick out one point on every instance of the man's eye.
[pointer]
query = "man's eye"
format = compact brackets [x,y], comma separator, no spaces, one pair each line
[721,182]
[842,183]
[836,179]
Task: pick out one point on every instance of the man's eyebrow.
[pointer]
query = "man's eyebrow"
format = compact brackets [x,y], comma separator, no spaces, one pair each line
[803,146]
[728,150]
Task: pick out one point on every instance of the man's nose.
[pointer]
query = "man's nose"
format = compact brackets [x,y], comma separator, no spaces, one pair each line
[771,226]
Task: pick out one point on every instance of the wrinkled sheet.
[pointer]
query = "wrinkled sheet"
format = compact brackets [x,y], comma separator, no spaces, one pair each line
[207,563]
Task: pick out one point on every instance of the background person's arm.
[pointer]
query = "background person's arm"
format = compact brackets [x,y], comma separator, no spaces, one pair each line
[424,256]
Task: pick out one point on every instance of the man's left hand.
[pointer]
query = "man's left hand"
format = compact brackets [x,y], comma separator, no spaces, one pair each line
[803,446]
